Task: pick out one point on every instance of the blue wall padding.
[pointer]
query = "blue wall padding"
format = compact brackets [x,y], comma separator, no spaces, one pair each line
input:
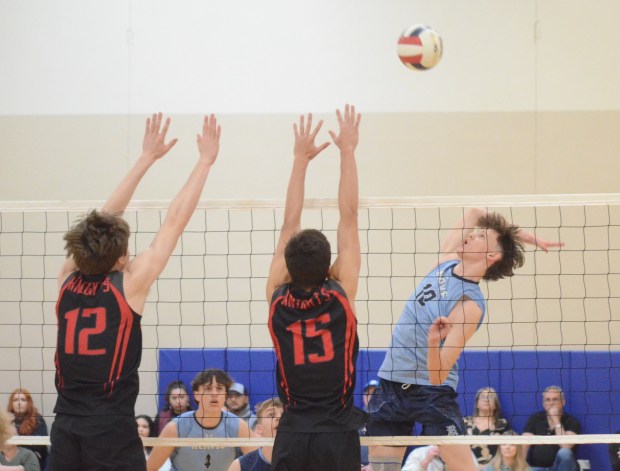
[591,381]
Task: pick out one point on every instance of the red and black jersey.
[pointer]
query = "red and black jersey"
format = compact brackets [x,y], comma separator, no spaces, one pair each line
[99,347]
[315,339]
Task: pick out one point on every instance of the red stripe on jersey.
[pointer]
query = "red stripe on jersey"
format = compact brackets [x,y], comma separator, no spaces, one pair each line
[349,344]
[60,381]
[276,346]
[122,338]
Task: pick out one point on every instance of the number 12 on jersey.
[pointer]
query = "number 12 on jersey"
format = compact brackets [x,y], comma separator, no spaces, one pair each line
[307,329]
[72,318]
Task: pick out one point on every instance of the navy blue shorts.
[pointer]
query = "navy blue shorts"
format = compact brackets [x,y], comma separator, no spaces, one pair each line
[396,407]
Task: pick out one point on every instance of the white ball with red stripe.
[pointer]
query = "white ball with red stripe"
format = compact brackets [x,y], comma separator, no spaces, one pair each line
[420,47]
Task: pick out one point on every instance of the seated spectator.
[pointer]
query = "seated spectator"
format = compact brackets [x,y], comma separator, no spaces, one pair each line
[238,402]
[552,421]
[268,418]
[13,457]
[508,458]
[146,428]
[177,402]
[486,420]
[28,421]
[210,389]
[424,458]
[614,455]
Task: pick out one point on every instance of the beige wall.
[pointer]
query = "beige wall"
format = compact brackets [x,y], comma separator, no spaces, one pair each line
[400,154]
[524,102]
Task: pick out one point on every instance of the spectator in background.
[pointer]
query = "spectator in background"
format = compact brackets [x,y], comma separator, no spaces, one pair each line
[614,455]
[28,421]
[268,418]
[508,458]
[238,402]
[146,428]
[552,421]
[13,458]
[177,402]
[486,420]
[210,388]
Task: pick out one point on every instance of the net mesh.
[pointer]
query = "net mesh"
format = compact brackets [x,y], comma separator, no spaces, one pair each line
[555,322]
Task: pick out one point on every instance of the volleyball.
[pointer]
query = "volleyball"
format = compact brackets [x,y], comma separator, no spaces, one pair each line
[420,47]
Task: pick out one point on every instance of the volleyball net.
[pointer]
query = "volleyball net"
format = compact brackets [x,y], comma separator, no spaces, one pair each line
[556,322]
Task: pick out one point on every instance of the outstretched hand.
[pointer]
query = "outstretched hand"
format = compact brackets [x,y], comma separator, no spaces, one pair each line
[547,244]
[543,244]
[209,141]
[349,124]
[305,148]
[154,144]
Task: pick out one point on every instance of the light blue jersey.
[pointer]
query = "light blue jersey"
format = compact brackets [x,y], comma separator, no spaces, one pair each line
[436,296]
[199,458]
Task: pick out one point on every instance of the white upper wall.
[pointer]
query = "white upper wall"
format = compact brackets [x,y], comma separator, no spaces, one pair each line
[280,56]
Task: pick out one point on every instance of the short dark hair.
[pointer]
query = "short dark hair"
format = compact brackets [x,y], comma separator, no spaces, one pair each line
[207,376]
[512,247]
[308,255]
[97,241]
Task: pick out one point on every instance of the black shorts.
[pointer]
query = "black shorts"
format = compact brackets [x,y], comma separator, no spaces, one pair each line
[98,443]
[301,451]
[395,408]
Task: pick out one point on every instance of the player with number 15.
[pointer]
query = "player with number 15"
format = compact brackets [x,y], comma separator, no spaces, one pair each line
[312,318]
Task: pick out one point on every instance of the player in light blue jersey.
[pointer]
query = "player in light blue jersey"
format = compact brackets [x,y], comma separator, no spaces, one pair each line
[210,420]
[419,373]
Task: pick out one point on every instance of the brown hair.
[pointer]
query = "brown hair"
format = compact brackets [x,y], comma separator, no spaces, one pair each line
[512,247]
[308,255]
[97,241]
[497,411]
[27,419]
[207,376]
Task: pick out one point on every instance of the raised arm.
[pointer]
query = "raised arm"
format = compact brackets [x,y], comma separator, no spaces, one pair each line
[154,147]
[142,271]
[304,151]
[470,221]
[346,267]
[454,330]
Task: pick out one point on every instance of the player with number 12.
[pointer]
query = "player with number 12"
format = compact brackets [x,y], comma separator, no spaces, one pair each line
[102,293]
